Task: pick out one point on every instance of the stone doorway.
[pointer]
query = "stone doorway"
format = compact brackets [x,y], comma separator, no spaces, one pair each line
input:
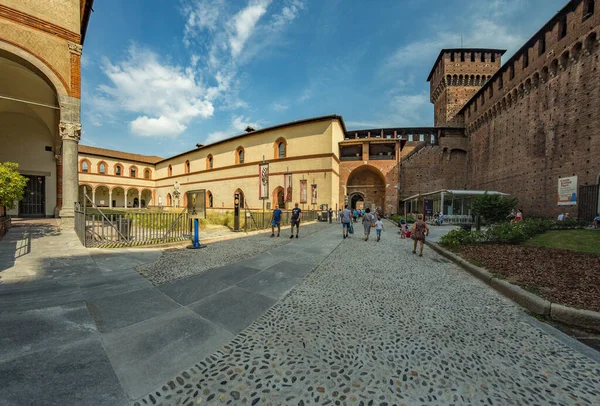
[366,185]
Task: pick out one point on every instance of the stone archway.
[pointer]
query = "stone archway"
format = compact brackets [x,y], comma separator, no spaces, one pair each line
[356,200]
[278,197]
[366,183]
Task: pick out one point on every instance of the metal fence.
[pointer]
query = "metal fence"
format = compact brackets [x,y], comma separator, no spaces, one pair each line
[97,229]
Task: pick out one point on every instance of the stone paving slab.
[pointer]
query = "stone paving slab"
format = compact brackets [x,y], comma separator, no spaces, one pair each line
[270,283]
[234,309]
[150,352]
[291,268]
[189,290]
[113,312]
[78,373]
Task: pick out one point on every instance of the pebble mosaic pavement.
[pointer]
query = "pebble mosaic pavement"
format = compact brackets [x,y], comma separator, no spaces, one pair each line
[376,325]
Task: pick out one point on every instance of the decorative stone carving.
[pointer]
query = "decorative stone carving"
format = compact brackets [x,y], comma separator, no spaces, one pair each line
[70,131]
[75,48]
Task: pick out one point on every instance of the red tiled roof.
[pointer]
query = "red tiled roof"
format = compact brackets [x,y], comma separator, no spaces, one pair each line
[85,149]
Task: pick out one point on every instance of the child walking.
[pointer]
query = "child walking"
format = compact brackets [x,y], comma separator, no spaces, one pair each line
[378,228]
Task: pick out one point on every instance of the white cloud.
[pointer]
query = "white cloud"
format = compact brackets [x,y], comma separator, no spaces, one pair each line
[167,97]
[201,15]
[287,14]
[244,24]
[280,106]
[484,24]
[238,126]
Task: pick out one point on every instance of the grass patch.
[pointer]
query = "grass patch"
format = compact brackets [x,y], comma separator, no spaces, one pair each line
[587,241]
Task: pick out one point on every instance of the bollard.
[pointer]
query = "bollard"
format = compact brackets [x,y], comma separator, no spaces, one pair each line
[196,242]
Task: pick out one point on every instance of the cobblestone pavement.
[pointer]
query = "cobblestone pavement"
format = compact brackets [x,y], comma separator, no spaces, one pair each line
[376,325]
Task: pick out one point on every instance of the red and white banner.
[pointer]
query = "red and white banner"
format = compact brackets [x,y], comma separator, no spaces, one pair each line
[313,194]
[303,191]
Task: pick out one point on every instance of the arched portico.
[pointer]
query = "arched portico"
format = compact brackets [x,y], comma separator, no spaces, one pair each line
[40,131]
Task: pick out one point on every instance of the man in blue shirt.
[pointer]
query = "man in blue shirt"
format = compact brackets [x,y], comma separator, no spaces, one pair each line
[296,213]
[276,221]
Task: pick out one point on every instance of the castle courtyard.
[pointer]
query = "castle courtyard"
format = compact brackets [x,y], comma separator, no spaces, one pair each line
[314,320]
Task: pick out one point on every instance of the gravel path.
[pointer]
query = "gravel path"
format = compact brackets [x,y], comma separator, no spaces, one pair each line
[181,262]
[375,324]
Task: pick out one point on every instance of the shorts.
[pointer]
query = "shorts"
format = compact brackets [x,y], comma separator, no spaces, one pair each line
[345,225]
[378,231]
[295,223]
[275,223]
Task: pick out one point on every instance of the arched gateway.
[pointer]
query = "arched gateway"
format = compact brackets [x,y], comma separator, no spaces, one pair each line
[366,185]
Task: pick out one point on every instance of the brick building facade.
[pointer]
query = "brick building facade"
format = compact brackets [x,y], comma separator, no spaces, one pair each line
[522,126]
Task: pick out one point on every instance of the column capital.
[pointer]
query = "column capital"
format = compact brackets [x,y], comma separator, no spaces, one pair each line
[75,48]
[70,131]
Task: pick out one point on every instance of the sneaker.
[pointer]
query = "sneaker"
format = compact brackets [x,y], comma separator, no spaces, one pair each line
[344,237]
[292,236]
[296,235]
[272,235]
[277,235]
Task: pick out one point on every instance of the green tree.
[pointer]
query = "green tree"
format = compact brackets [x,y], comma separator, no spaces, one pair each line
[12,184]
[493,208]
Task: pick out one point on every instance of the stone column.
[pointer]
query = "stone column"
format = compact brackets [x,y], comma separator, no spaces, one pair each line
[139,199]
[94,196]
[70,133]
[110,198]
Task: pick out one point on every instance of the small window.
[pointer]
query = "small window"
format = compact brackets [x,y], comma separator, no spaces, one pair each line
[187,166]
[500,82]
[210,162]
[483,57]
[491,90]
[542,44]
[472,56]
[210,200]
[132,172]
[525,59]
[241,156]
[102,169]
[170,173]
[588,9]
[462,56]
[281,148]
[118,170]
[512,72]
[85,167]
[147,174]
[451,56]
[493,57]
[562,27]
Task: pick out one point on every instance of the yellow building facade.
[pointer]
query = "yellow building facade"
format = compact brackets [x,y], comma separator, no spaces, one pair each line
[305,152]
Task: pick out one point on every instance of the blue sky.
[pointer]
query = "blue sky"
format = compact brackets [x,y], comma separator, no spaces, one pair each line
[159,76]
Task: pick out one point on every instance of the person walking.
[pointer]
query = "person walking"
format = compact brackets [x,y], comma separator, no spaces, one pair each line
[418,232]
[346,218]
[276,221]
[295,221]
[367,222]
[378,228]
[330,215]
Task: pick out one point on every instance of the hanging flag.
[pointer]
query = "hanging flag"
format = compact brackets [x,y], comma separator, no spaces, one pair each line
[263,173]
[313,194]
[287,184]
[303,191]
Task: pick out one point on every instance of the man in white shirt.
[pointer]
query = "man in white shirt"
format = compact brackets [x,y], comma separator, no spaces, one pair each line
[346,217]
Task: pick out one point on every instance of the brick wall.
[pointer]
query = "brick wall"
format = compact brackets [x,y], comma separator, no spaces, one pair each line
[376,174]
[544,123]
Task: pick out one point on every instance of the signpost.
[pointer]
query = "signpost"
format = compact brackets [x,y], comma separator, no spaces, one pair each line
[236,212]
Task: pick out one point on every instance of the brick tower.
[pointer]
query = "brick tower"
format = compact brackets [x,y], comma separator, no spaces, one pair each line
[456,76]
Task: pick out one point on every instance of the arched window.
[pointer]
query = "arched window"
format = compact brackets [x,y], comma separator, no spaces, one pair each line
[118,170]
[280,147]
[133,171]
[209,199]
[209,162]
[147,174]
[588,9]
[170,171]
[239,155]
[85,166]
[187,166]
[102,168]
[169,200]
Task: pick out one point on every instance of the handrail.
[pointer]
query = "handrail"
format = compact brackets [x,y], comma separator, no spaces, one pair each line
[173,224]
